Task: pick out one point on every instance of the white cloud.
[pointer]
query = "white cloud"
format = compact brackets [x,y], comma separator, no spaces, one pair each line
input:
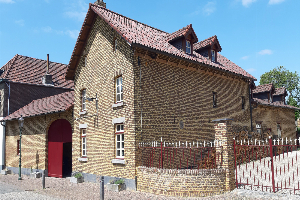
[271,2]
[77,10]
[245,57]
[20,22]
[72,33]
[266,52]
[246,3]
[250,70]
[209,8]
[7,1]
[47,29]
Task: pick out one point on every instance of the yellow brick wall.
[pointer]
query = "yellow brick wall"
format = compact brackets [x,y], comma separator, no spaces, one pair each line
[170,94]
[183,183]
[34,140]
[270,116]
[98,76]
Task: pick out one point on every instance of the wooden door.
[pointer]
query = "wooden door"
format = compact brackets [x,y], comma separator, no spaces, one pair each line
[55,159]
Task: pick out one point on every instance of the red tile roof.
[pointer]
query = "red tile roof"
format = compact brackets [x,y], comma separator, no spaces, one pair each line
[207,42]
[23,69]
[280,91]
[181,33]
[53,104]
[144,36]
[275,104]
[263,88]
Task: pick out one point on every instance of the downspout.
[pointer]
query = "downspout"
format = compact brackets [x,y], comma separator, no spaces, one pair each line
[250,106]
[139,63]
[8,85]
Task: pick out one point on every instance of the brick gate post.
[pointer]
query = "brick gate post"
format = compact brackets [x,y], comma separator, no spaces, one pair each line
[223,133]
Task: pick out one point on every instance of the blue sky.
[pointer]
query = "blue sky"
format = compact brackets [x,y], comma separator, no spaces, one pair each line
[258,35]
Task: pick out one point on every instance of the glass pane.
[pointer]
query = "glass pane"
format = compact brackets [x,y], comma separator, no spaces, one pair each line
[122,137]
[118,137]
[118,145]
[122,96]
[122,152]
[83,152]
[123,145]
[118,97]
[83,146]
[83,140]
[118,82]
[121,88]
[118,89]
[122,127]
[118,127]
[121,80]
[118,152]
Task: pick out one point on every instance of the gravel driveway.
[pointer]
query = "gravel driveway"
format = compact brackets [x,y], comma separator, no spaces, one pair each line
[61,188]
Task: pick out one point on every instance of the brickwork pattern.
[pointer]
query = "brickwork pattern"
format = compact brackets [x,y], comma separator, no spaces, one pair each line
[98,76]
[176,101]
[223,131]
[34,140]
[270,116]
[183,183]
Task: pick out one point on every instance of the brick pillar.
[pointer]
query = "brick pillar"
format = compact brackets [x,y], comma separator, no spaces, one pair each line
[223,133]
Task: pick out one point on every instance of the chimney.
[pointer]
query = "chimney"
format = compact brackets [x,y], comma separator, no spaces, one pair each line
[100,3]
[47,78]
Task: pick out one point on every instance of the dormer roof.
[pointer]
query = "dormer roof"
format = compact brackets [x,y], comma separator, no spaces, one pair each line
[184,32]
[209,42]
[280,91]
[264,88]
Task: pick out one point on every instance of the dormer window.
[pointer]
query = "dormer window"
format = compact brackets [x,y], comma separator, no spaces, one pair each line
[213,56]
[188,48]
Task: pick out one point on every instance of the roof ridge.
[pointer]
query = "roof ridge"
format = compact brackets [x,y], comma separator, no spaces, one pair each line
[129,18]
[42,59]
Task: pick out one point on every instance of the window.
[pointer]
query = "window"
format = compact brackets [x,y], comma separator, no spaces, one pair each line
[119,141]
[18,147]
[214,99]
[85,61]
[83,98]
[188,48]
[83,142]
[278,130]
[115,44]
[243,102]
[271,98]
[119,89]
[213,55]
[258,127]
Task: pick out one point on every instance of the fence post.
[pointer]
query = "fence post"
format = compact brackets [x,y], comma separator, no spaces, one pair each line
[223,133]
[272,164]
[102,188]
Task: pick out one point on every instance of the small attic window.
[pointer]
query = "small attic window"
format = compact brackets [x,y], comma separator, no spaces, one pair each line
[188,48]
[213,56]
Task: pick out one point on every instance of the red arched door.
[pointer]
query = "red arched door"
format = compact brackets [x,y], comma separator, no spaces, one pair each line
[60,148]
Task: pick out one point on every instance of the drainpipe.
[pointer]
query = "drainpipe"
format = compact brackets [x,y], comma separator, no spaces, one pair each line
[250,106]
[8,85]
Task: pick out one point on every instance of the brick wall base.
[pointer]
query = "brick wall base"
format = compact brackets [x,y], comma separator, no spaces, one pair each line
[183,183]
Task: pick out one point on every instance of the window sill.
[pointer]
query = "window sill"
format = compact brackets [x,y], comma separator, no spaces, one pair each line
[82,112]
[83,159]
[119,104]
[118,161]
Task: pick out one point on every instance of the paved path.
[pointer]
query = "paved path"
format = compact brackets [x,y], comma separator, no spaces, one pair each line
[8,191]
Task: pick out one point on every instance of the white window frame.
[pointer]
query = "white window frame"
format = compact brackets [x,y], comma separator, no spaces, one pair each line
[119,134]
[119,85]
[83,142]
[278,130]
[213,55]
[83,98]
[188,47]
[258,127]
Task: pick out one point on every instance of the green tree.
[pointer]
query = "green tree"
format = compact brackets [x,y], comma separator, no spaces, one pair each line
[281,77]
